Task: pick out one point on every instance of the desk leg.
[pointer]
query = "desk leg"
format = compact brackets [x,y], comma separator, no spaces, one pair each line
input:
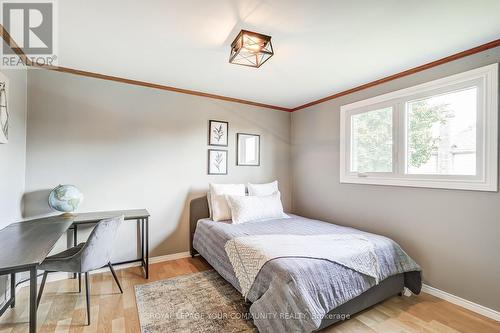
[147,248]
[141,221]
[13,289]
[33,296]
[75,241]
[75,235]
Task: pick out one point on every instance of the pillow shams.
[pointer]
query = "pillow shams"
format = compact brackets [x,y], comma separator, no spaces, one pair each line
[251,208]
[220,210]
[263,189]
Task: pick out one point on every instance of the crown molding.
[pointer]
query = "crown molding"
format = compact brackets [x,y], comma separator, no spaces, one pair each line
[157,86]
[407,72]
[26,61]
[13,46]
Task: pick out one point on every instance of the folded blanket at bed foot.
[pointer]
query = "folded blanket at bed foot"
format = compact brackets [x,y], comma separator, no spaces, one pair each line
[299,303]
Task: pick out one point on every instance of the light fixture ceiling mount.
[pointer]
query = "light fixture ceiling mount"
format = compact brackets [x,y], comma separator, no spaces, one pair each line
[251,49]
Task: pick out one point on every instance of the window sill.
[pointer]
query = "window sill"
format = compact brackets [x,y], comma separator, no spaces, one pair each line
[450,184]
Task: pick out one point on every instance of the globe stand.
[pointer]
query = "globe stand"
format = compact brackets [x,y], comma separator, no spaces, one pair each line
[68,214]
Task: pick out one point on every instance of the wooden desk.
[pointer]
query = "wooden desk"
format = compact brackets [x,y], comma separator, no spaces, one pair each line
[139,215]
[23,246]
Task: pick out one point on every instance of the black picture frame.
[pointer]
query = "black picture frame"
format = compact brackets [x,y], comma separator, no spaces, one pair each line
[209,162]
[238,163]
[210,143]
[4,112]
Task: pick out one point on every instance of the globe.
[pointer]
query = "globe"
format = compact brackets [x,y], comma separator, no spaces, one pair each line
[65,198]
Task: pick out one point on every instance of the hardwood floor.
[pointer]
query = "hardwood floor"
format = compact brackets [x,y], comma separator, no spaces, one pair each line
[62,308]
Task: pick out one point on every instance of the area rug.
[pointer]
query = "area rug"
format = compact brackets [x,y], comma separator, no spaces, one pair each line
[199,302]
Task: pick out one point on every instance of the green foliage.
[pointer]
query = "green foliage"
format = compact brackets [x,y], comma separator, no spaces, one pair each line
[373,141]
[422,118]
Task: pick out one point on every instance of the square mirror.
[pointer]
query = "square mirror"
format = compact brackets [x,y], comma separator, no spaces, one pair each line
[248,149]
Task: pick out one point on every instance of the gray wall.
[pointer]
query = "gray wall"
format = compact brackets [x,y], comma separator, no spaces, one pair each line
[13,157]
[132,147]
[453,235]
[13,154]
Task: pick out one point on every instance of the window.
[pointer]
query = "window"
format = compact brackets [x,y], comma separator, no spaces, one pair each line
[372,141]
[440,134]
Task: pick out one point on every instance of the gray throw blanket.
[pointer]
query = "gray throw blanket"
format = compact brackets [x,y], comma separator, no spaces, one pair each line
[249,253]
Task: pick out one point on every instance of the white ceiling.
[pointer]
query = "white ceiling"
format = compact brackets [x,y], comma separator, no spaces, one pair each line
[321,47]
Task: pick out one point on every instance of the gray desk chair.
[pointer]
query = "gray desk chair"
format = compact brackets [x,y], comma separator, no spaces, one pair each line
[86,257]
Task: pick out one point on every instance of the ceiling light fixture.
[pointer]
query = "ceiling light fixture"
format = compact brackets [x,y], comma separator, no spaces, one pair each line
[251,49]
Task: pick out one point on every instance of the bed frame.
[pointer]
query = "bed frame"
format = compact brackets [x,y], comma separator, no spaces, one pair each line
[392,286]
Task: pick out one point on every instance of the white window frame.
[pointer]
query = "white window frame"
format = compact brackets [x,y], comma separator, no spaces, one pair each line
[485,79]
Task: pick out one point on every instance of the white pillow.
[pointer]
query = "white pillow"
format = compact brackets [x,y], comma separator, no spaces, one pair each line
[251,208]
[218,202]
[263,189]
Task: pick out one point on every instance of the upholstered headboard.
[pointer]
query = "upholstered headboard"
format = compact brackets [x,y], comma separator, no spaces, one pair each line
[198,209]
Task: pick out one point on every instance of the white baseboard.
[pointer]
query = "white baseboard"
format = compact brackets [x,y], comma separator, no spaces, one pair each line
[58,276]
[169,257]
[477,308]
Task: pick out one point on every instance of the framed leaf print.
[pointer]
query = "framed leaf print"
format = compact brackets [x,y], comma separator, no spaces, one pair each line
[217,162]
[4,113]
[218,133]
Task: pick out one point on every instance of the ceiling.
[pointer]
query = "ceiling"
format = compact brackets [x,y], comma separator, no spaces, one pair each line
[321,47]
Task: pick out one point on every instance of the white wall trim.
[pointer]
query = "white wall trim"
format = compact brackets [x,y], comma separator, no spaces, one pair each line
[477,308]
[153,260]
[169,257]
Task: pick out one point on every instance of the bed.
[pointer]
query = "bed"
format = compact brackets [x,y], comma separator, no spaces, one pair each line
[307,294]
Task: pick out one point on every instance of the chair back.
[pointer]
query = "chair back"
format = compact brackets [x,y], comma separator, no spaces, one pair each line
[98,249]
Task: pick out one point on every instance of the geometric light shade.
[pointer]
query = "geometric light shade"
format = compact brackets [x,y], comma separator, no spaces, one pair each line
[251,49]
